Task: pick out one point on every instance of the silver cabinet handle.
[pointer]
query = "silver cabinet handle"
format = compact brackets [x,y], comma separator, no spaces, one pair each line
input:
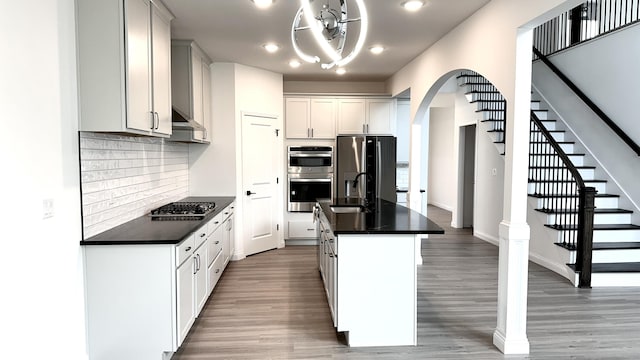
[195,265]
[203,234]
[157,120]
[217,242]
[153,120]
[188,249]
[311,132]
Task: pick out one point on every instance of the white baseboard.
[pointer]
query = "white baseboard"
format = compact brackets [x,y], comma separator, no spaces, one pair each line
[301,242]
[486,237]
[560,269]
[442,206]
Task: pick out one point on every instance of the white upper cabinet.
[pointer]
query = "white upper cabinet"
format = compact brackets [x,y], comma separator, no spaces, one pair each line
[366,116]
[191,86]
[351,116]
[310,118]
[124,80]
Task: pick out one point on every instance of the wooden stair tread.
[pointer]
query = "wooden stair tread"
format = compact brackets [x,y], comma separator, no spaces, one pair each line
[597,227]
[568,195]
[616,245]
[565,181]
[596,211]
[546,142]
[562,167]
[612,267]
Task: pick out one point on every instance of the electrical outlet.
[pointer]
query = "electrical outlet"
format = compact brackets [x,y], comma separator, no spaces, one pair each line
[47,208]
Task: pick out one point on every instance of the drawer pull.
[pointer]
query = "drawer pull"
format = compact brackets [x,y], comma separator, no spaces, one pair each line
[217,242]
[217,271]
[311,229]
[187,249]
[203,234]
[217,222]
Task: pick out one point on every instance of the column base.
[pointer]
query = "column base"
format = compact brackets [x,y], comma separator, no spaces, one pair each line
[510,346]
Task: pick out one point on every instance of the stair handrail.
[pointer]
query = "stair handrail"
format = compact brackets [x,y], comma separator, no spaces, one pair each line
[586,199]
[606,119]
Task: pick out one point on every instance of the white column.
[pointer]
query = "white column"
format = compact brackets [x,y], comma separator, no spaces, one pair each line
[510,335]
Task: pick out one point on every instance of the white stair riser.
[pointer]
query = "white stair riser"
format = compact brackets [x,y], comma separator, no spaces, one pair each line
[550,125]
[491,115]
[598,219]
[535,105]
[600,202]
[562,189]
[616,256]
[616,235]
[576,160]
[499,147]
[547,148]
[615,279]
[542,115]
[546,174]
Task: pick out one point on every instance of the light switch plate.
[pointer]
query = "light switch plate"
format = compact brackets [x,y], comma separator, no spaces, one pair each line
[47,208]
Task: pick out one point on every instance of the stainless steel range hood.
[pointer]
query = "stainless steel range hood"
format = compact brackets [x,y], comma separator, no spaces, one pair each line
[180,121]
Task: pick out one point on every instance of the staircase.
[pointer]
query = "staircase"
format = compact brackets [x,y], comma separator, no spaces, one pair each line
[616,241]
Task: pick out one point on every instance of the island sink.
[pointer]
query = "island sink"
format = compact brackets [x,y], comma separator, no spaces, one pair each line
[347,209]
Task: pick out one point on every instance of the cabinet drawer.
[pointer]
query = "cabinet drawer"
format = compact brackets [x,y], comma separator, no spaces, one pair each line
[302,230]
[228,211]
[201,235]
[213,224]
[215,245]
[185,249]
[215,271]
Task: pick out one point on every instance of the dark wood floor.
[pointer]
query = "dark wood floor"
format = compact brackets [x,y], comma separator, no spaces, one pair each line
[272,306]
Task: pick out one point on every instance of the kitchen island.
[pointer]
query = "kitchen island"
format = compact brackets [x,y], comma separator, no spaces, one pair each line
[367,258]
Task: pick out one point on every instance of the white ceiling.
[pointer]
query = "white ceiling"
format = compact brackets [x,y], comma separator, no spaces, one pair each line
[234,31]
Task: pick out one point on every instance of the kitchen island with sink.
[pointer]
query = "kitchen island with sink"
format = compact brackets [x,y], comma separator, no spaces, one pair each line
[367,258]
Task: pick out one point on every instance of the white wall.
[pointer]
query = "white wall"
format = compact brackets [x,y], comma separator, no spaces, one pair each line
[216,169]
[42,307]
[441,182]
[335,87]
[609,81]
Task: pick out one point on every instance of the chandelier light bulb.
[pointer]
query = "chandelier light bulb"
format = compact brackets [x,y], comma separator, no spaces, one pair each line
[340,71]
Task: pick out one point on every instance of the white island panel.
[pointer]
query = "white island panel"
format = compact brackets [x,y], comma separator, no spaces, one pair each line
[377,289]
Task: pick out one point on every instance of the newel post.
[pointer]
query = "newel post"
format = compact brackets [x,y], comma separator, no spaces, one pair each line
[584,249]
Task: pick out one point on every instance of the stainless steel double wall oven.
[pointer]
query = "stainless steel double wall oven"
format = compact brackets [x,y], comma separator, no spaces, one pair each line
[310,176]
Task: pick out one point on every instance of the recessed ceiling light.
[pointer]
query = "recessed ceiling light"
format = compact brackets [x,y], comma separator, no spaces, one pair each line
[271,47]
[340,71]
[262,4]
[376,49]
[413,5]
[294,63]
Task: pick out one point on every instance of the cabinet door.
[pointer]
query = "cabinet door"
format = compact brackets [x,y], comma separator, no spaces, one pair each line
[206,100]
[351,116]
[297,115]
[300,229]
[380,114]
[196,68]
[323,118]
[161,41]
[232,236]
[138,64]
[201,290]
[186,304]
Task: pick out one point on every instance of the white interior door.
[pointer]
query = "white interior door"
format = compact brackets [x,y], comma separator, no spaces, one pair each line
[259,173]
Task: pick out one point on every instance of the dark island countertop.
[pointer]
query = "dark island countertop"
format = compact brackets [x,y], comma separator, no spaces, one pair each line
[386,218]
[144,230]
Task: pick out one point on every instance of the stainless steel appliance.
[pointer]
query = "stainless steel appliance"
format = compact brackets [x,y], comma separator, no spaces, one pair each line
[310,176]
[310,159]
[366,167]
[183,210]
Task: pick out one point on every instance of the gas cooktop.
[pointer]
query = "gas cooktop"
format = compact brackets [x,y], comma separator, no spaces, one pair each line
[183,210]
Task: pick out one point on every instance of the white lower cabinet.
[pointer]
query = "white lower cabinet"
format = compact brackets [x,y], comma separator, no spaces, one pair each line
[185,285]
[142,300]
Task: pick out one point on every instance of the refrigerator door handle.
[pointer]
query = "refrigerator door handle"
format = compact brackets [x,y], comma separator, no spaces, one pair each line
[378,168]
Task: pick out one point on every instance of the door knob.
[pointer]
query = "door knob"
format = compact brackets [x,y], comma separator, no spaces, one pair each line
[249,193]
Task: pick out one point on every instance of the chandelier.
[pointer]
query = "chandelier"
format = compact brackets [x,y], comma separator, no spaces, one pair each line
[327,23]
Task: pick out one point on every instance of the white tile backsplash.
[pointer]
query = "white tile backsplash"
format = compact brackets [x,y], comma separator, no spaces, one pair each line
[124,177]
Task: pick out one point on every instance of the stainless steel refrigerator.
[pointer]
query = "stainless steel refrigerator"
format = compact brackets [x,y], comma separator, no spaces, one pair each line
[366,167]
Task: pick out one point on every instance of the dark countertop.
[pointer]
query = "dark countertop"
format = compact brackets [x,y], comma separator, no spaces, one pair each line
[144,230]
[387,218]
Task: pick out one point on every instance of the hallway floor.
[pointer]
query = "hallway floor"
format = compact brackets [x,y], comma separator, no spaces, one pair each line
[272,306]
